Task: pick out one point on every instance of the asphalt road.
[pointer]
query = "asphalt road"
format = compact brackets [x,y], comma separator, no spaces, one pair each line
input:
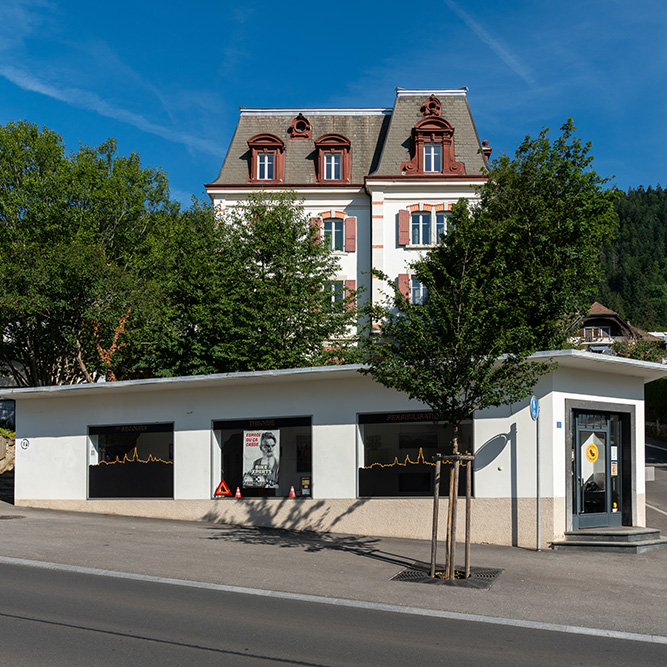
[61,618]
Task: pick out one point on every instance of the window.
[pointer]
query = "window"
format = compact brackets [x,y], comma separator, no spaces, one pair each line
[433,157]
[265,164]
[264,457]
[332,164]
[440,226]
[337,289]
[421,228]
[397,452]
[267,159]
[432,145]
[333,234]
[418,292]
[131,461]
[333,161]
[593,334]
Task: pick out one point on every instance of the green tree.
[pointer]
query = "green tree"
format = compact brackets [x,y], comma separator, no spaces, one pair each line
[78,266]
[275,304]
[634,280]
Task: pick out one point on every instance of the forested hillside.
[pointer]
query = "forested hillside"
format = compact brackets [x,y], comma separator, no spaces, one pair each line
[634,275]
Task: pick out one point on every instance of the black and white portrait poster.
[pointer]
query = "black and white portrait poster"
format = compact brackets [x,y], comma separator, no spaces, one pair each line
[261,459]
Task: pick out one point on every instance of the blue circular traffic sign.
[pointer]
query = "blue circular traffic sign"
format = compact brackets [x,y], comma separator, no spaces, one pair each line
[534,407]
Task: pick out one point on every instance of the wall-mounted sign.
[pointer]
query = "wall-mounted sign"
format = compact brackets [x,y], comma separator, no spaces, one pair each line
[261,459]
[25,443]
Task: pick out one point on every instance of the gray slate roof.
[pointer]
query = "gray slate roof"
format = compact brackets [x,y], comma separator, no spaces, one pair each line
[379,138]
[406,114]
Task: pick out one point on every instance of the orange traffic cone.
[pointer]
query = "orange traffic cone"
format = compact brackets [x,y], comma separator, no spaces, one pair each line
[238,492]
[291,492]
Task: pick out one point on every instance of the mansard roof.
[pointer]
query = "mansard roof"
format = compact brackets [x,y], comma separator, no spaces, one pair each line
[364,128]
[407,113]
[379,138]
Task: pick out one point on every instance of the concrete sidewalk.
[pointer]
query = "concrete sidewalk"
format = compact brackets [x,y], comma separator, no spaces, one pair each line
[608,591]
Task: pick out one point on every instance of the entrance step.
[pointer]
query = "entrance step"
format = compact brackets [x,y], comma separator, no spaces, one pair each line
[624,539]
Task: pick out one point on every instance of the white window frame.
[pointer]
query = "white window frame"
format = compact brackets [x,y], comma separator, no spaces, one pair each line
[433,158]
[333,165]
[266,166]
[334,234]
[427,227]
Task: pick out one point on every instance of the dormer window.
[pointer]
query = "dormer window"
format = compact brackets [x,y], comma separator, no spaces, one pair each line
[432,145]
[333,161]
[267,159]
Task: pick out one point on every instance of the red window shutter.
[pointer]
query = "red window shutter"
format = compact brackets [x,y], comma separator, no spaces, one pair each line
[316,228]
[403,227]
[404,284]
[350,234]
[350,286]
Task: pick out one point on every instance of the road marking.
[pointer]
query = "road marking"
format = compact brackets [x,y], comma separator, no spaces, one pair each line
[342,602]
[657,509]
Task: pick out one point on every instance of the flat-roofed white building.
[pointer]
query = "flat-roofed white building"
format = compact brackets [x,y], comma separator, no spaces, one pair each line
[357,454]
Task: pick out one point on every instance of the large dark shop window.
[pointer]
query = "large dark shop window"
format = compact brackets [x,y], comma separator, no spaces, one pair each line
[131,461]
[241,465]
[397,453]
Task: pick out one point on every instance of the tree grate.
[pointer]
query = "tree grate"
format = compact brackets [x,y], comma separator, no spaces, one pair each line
[481,578]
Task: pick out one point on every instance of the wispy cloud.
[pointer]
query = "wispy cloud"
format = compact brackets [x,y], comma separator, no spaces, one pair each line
[84,99]
[494,44]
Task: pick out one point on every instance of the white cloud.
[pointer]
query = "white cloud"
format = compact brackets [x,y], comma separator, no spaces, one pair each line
[84,99]
[494,44]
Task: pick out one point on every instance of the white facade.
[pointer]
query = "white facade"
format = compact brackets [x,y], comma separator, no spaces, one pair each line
[56,448]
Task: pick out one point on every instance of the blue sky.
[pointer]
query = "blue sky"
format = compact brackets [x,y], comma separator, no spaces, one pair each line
[166,79]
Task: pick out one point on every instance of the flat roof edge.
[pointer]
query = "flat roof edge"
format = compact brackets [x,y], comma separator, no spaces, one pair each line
[185,379]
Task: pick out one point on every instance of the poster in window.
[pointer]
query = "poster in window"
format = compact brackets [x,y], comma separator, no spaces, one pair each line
[261,459]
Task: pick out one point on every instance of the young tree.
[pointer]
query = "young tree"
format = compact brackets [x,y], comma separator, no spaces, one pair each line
[511,273]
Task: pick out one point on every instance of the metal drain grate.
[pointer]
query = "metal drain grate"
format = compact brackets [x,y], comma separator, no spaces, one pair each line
[480,577]
[12,516]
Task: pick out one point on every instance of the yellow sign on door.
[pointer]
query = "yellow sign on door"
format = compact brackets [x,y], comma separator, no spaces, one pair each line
[592,452]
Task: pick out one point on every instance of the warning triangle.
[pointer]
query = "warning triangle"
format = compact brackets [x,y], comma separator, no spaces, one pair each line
[222,490]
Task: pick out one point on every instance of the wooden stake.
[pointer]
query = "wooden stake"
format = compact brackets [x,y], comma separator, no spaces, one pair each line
[436,507]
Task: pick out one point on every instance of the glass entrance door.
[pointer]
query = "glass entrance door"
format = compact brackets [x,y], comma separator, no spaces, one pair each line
[596,471]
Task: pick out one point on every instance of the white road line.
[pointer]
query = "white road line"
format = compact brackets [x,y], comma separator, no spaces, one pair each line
[358,604]
[657,509]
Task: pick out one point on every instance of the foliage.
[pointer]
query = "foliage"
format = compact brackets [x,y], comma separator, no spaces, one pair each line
[634,280]
[451,351]
[542,218]
[644,350]
[7,434]
[274,308]
[77,247]
[506,280]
